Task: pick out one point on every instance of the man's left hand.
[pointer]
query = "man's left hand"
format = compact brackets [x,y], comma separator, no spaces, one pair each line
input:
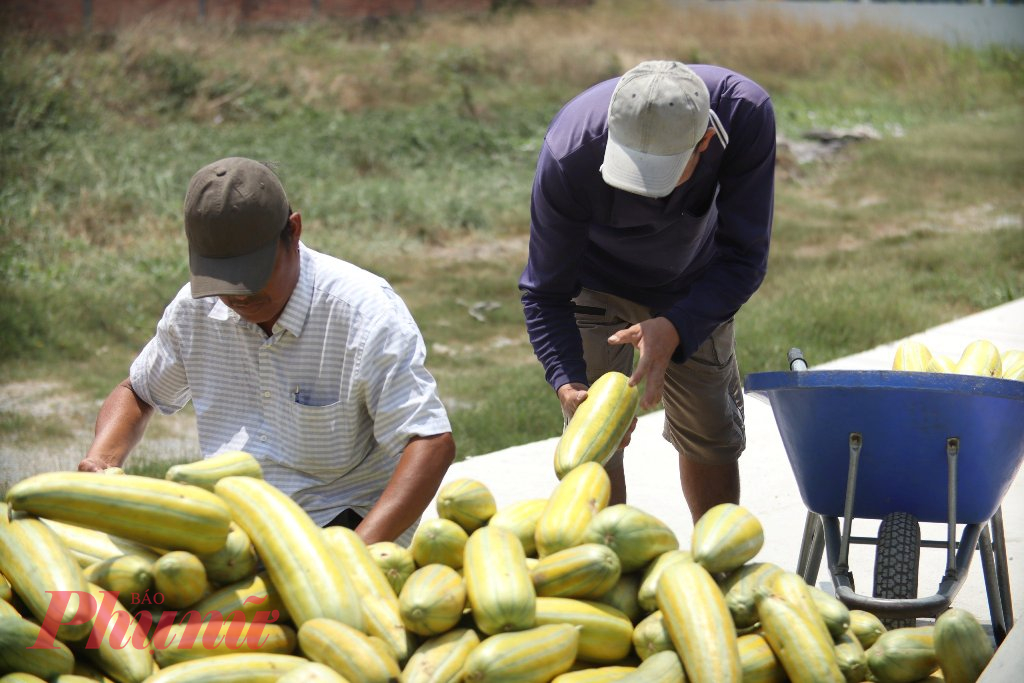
[657,340]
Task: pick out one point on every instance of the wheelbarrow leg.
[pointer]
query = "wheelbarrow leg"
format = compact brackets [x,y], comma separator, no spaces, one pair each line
[812,546]
[995,603]
[1002,570]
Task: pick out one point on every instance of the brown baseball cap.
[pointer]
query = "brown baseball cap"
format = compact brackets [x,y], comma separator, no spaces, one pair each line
[235,210]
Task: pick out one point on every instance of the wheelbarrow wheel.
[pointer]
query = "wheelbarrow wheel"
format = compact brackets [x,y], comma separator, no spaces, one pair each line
[897,561]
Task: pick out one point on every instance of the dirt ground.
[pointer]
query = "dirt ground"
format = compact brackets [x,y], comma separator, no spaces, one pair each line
[69,420]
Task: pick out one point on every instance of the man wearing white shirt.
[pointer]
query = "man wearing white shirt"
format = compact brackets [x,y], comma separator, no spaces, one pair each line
[309,363]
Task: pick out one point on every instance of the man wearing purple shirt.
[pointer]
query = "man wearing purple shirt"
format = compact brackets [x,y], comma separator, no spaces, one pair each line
[651,216]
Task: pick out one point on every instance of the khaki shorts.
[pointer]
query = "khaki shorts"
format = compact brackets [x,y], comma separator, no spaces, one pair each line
[703,396]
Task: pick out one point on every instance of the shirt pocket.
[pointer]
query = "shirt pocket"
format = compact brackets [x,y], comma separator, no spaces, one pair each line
[319,441]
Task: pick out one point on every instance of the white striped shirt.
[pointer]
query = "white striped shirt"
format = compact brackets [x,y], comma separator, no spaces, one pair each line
[326,404]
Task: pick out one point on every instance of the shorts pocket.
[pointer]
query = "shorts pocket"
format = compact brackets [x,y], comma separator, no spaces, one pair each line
[718,349]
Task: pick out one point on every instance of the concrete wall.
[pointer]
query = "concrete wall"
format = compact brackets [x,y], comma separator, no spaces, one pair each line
[75,15]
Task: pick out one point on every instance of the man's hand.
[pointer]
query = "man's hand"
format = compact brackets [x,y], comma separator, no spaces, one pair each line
[657,340]
[92,465]
[571,395]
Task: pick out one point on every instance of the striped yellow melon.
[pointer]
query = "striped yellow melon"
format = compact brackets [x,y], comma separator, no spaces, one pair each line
[440,659]
[661,667]
[438,541]
[961,646]
[575,500]
[377,598]
[350,652]
[8,610]
[365,573]
[382,618]
[866,627]
[1012,362]
[903,655]
[89,546]
[17,636]
[647,593]
[180,578]
[521,519]
[207,472]
[637,537]
[651,636]
[500,593]
[912,356]
[536,654]
[725,537]
[600,674]
[941,364]
[606,634]
[980,357]
[155,512]
[234,561]
[310,579]
[395,561]
[599,424]
[127,574]
[588,570]
[740,588]
[245,599]
[833,611]
[623,597]
[467,502]
[185,641]
[313,672]
[40,569]
[760,665]
[851,658]
[243,667]
[698,621]
[792,588]
[805,655]
[432,600]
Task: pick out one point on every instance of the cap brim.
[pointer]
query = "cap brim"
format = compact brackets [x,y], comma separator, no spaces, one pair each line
[649,175]
[238,275]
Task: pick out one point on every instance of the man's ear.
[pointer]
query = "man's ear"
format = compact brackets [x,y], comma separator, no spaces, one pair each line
[706,140]
[296,222]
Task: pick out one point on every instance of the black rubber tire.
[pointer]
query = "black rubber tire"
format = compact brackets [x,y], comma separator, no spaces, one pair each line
[897,561]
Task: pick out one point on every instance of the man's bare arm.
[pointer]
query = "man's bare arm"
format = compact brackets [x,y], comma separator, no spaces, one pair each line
[120,425]
[423,465]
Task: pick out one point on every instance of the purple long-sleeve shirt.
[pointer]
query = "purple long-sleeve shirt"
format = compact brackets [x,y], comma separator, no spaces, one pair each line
[694,257]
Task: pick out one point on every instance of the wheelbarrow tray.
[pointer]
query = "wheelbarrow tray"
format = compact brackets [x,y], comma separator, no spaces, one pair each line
[904,419]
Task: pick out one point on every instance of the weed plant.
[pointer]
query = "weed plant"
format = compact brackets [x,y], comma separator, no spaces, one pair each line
[409,147]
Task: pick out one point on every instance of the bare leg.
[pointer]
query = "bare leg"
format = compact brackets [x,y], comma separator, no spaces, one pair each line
[617,474]
[705,486]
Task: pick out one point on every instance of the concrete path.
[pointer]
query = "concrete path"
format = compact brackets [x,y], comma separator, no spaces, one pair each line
[769,488]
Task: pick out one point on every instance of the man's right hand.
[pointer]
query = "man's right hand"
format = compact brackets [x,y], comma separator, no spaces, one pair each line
[92,465]
[571,395]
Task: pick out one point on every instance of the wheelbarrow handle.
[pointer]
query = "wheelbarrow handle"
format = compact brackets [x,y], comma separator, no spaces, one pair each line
[796,359]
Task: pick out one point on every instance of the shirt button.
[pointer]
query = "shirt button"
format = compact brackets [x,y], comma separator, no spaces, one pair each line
[263,437]
[266,394]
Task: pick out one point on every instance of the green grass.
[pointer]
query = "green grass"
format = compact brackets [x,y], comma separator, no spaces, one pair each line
[409,148]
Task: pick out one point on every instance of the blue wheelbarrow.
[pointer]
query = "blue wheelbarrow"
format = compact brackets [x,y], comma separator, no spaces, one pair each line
[904,448]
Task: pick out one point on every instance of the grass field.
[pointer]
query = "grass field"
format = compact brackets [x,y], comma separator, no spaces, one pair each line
[409,148]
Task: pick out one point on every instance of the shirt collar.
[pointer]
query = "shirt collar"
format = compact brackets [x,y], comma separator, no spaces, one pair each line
[296,311]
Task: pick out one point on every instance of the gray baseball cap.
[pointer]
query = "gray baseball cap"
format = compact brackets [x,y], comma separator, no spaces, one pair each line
[658,113]
[235,210]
